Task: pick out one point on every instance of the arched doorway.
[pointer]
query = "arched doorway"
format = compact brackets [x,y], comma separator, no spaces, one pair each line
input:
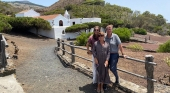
[60,23]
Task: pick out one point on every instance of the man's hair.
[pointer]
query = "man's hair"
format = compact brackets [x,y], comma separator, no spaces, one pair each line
[109,26]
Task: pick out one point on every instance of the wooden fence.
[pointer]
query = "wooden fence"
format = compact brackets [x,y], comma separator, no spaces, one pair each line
[3,55]
[149,64]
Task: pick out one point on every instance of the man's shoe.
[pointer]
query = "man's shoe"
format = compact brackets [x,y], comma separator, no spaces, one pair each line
[105,86]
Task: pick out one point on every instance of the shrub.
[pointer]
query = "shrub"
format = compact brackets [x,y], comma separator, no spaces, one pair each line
[82,39]
[135,47]
[5,27]
[168,33]
[76,28]
[123,33]
[157,28]
[92,24]
[139,31]
[167,60]
[164,47]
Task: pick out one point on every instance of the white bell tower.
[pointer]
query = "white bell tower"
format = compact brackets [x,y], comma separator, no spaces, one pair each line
[67,15]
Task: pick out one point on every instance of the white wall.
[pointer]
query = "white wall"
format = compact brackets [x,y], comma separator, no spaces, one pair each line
[76,20]
[30,13]
[60,17]
[58,32]
[84,20]
[19,15]
[55,32]
[47,33]
[71,35]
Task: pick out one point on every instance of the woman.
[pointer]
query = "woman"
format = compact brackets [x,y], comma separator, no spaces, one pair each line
[101,53]
[115,45]
[93,38]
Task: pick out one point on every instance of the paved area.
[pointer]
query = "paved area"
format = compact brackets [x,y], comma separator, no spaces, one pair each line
[44,73]
[8,84]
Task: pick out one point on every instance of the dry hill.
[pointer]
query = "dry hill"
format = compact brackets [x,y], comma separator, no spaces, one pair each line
[61,4]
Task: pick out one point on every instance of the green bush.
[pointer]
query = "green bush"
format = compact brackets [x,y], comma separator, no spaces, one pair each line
[123,33]
[168,33]
[82,39]
[76,28]
[104,25]
[167,60]
[139,31]
[92,24]
[135,47]
[164,47]
[157,28]
[5,27]
[29,22]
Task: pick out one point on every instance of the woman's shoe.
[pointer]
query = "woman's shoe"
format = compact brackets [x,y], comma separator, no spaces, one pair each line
[102,91]
[98,91]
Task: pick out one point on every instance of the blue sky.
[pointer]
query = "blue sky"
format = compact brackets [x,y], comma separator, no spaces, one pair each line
[154,6]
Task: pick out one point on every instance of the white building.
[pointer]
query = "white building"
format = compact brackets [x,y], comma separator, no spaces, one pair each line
[83,20]
[58,22]
[27,13]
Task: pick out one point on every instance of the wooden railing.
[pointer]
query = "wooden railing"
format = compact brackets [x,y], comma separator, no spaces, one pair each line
[149,64]
[3,55]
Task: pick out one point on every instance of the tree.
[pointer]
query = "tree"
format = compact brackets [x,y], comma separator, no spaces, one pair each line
[40,23]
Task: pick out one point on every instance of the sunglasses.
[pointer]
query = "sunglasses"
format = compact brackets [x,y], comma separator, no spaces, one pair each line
[101,35]
[96,29]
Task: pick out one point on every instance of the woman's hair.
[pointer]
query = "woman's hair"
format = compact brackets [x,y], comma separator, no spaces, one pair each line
[101,33]
[95,37]
[109,26]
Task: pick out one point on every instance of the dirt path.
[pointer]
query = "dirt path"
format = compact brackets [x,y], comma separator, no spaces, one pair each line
[39,70]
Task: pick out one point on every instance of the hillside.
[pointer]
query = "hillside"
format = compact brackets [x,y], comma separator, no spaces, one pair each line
[8,9]
[24,5]
[62,3]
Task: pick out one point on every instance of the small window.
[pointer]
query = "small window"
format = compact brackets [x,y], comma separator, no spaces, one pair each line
[60,23]
[73,23]
[63,32]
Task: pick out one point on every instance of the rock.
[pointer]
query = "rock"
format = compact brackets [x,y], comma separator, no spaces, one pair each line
[15,56]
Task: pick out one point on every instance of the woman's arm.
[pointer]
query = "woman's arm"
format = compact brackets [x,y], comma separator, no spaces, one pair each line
[95,53]
[108,56]
[121,49]
[88,45]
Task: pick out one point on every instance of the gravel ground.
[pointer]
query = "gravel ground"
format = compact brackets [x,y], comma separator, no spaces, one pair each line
[39,70]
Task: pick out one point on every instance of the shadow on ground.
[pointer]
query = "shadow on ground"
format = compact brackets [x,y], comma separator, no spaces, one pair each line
[27,35]
[91,88]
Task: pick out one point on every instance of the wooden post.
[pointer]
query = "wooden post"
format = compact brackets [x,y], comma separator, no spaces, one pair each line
[145,40]
[149,38]
[63,47]
[149,71]
[0,40]
[72,51]
[3,56]
[58,44]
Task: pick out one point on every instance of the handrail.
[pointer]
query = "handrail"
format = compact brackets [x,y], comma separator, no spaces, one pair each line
[149,64]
